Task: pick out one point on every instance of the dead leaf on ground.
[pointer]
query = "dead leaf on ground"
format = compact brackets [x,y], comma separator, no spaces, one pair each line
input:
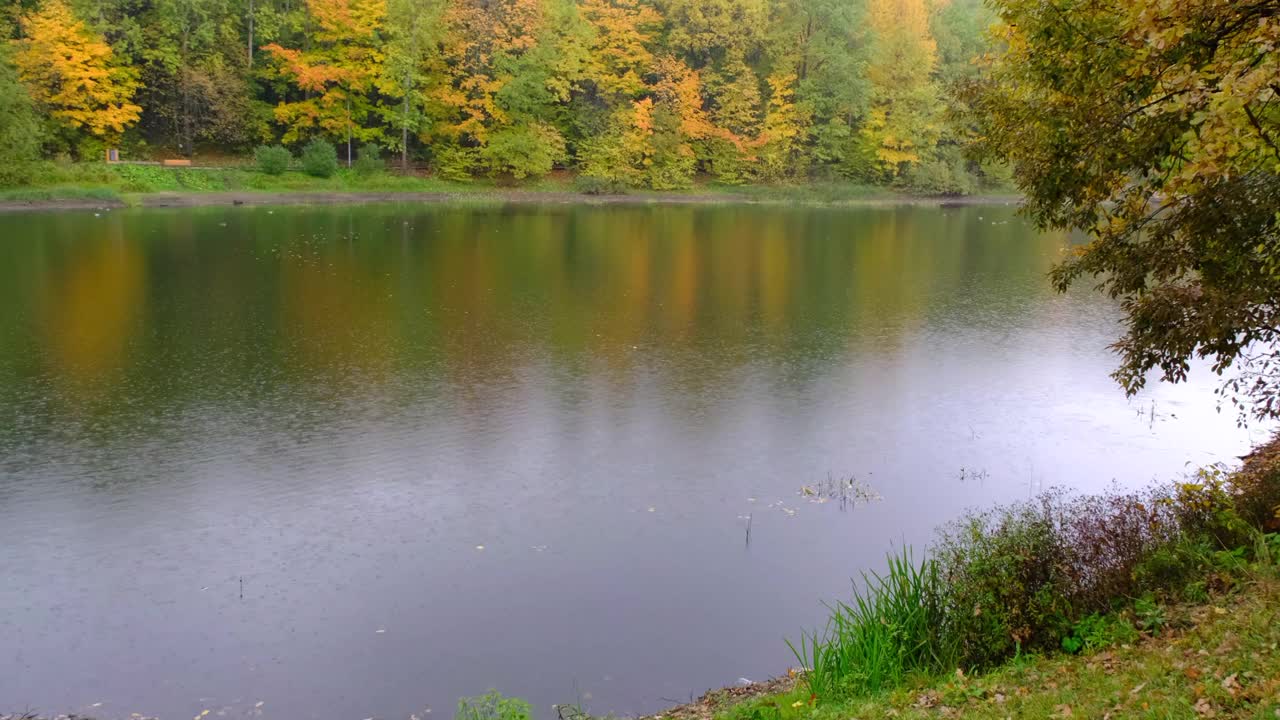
[927,700]
[1204,708]
[1063,711]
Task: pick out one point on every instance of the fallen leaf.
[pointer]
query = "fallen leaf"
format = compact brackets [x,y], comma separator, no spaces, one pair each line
[927,700]
[1204,709]
[1230,684]
[1063,710]
[1137,689]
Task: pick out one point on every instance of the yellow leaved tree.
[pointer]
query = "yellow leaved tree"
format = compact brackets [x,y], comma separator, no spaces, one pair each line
[906,112]
[71,74]
[335,74]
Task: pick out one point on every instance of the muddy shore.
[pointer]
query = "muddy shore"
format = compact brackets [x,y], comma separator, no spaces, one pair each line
[218,199]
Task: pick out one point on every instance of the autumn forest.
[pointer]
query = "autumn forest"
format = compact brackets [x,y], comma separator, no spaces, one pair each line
[641,93]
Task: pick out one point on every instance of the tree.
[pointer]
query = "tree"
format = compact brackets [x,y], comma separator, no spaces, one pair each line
[19,125]
[1155,127]
[960,27]
[784,127]
[825,44]
[905,115]
[672,121]
[71,74]
[195,86]
[414,29]
[618,52]
[336,74]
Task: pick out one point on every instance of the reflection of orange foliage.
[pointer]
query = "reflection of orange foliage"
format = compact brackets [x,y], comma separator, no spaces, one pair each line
[92,309]
[773,270]
[337,318]
[684,283]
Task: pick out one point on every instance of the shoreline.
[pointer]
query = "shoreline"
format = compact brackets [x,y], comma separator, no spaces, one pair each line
[504,197]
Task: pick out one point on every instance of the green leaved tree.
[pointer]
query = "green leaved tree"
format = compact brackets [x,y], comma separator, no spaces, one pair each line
[1155,127]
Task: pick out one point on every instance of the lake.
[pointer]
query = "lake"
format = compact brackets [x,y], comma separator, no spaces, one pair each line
[356,462]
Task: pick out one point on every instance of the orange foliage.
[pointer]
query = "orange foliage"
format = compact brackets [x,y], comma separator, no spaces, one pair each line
[478,33]
[70,71]
[337,72]
[619,50]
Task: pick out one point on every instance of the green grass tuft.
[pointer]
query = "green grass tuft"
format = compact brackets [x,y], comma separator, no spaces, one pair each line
[892,629]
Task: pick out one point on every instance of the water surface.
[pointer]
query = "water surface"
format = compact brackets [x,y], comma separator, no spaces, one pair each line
[252,455]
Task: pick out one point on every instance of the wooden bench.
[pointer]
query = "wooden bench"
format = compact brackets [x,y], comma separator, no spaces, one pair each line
[183,162]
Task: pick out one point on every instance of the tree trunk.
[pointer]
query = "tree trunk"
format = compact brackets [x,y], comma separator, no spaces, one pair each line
[184,98]
[404,138]
[250,33]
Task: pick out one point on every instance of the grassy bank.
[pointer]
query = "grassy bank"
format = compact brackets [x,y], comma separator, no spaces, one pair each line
[52,184]
[1213,659]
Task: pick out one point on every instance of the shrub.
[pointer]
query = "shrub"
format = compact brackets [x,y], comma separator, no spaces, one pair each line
[943,176]
[319,159]
[272,159]
[611,157]
[1106,537]
[594,185]
[369,160]
[671,162]
[493,706]
[726,161]
[1257,487]
[455,162]
[524,150]
[1094,632]
[1005,576]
